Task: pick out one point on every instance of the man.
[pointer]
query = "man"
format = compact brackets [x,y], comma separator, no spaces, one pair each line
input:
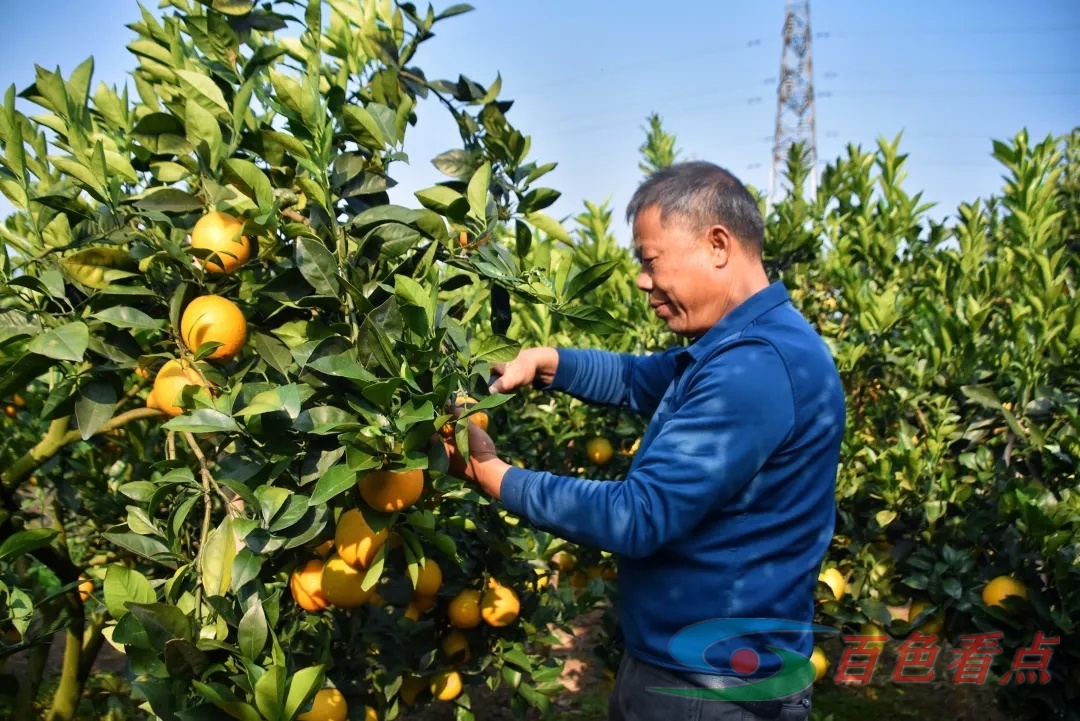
[728,508]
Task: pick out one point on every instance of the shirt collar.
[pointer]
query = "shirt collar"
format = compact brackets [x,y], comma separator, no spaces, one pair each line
[739,317]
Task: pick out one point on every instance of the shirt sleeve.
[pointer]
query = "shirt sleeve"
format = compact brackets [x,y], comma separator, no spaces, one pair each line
[737,411]
[615,379]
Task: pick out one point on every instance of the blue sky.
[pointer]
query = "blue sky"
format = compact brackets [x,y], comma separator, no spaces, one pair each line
[585,74]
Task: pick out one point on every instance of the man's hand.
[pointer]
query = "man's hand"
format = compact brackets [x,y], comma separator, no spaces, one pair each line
[530,366]
[484,466]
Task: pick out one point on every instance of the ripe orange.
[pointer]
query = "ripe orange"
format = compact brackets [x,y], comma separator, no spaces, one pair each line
[456,647]
[85,589]
[834,580]
[446,686]
[463,239]
[370,714]
[429,578]
[10,410]
[222,234]
[306,586]
[18,401]
[875,631]
[464,609]
[213,319]
[500,605]
[355,541]
[391,490]
[1001,587]
[932,626]
[169,384]
[341,584]
[821,663]
[599,450]
[565,561]
[424,603]
[328,705]
[324,548]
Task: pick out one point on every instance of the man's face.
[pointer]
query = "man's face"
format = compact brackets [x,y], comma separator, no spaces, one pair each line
[678,272]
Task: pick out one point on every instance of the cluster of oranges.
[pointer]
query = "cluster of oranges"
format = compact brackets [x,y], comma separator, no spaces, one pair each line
[208,318]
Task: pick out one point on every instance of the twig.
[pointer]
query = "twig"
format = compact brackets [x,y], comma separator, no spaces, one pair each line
[207,478]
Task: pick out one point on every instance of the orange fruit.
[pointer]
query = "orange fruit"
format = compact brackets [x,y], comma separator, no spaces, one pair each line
[324,548]
[464,609]
[391,490]
[832,578]
[170,382]
[463,239]
[213,319]
[874,631]
[142,372]
[565,561]
[370,714]
[931,626]
[341,584]
[328,705]
[499,606]
[355,541]
[10,410]
[85,589]
[446,686]
[429,578]
[305,583]
[18,401]
[456,647]
[821,663]
[599,450]
[1000,588]
[222,234]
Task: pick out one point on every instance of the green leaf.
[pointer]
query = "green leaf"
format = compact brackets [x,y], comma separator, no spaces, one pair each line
[68,342]
[548,225]
[205,87]
[444,201]
[318,265]
[94,408]
[246,568]
[183,660]
[123,316]
[593,319]
[168,200]
[216,559]
[538,199]
[250,180]
[234,7]
[162,622]
[144,546]
[323,420]
[303,685]
[588,279]
[362,126]
[124,585]
[457,163]
[98,267]
[269,692]
[252,631]
[203,131]
[22,542]
[478,191]
[497,349]
[333,483]
[203,420]
[517,657]
[283,398]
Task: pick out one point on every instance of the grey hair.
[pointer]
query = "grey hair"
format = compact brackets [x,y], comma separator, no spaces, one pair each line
[702,194]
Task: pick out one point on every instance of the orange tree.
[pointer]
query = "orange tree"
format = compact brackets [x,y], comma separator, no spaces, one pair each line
[235,356]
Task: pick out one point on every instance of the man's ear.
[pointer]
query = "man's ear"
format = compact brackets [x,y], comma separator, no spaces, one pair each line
[721,244]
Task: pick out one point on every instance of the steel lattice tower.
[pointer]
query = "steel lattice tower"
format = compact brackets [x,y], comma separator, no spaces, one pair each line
[795,98]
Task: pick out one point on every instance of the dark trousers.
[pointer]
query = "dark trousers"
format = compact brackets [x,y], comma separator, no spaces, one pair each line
[631,699]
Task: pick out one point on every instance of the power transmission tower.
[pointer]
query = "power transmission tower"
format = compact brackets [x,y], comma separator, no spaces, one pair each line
[795,98]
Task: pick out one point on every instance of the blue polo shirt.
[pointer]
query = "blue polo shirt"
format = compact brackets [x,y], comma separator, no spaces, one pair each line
[728,508]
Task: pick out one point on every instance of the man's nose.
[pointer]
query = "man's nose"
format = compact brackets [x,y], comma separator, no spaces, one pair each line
[644,281]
